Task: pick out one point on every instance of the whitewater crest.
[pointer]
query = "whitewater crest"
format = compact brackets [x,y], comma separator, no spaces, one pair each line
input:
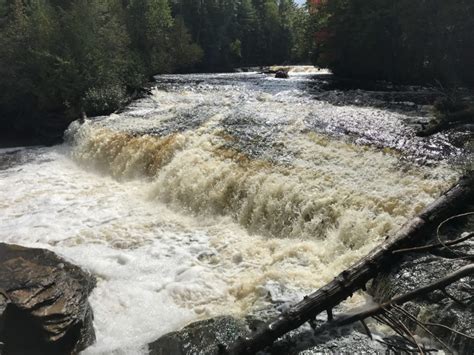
[217,194]
[122,154]
[259,165]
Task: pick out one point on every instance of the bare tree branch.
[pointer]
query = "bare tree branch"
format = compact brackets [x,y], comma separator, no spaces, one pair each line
[430,247]
[399,300]
[356,277]
[446,221]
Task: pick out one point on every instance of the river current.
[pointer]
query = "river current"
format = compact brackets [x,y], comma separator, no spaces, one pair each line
[219,194]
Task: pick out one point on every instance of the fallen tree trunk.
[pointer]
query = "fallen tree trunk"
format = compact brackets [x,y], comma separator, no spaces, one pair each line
[451,120]
[386,312]
[399,300]
[357,276]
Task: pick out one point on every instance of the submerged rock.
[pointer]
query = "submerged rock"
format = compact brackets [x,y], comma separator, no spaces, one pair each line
[281,74]
[43,303]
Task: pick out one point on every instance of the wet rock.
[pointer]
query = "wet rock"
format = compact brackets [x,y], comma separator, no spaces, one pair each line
[304,340]
[204,337]
[347,340]
[210,336]
[436,307]
[43,303]
[281,74]
[454,311]
[3,307]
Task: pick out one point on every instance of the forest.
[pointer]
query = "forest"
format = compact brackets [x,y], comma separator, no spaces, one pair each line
[423,41]
[63,59]
[236,176]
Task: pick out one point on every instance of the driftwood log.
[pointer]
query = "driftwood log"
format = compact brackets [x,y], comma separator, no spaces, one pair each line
[389,311]
[399,300]
[357,276]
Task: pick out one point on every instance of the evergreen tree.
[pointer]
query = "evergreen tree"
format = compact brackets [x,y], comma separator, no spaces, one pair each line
[62,58]
[403,41]
[149,25]
[244,32]
[184,51]
[247,22]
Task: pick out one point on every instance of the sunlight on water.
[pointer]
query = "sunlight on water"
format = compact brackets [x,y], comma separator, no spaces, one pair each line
[206,197]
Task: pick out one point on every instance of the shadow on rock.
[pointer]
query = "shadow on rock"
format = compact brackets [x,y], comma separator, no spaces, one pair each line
[43,303]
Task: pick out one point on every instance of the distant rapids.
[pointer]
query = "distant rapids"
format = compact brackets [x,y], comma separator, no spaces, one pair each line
[218,194]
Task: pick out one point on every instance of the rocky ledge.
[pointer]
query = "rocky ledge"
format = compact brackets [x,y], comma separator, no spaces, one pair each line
[44,306]
[212,336]
[446,314]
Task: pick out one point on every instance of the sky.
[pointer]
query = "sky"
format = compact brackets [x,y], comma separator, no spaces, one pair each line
[300,2]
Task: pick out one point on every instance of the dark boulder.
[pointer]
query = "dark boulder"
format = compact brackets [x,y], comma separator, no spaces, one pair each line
[44,306]
[204,337]
[212,336]
[281,74]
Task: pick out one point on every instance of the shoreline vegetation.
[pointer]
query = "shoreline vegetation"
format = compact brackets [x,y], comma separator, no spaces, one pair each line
[63,60]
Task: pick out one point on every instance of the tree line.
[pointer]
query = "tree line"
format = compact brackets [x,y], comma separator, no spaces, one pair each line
[60,59]
[247,32]
[422,41]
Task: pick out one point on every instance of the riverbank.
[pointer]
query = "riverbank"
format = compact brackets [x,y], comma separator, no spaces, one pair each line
[48,129]
[423,102]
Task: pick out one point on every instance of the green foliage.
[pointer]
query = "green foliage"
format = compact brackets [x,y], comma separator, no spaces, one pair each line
[149,23]
[404,41]
[183,50]
[104,99]
[94,57]
[68,57]
[63,58]
[245,32]
[302,36]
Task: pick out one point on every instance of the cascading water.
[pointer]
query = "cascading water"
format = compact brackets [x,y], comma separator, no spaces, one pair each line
[214,191]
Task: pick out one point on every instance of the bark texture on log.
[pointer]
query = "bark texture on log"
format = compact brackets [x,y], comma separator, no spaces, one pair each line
[357,276]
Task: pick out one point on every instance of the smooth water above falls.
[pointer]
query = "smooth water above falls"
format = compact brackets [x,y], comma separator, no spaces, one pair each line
[218,194]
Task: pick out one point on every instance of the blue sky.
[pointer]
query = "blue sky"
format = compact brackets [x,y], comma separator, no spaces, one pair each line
[300,1]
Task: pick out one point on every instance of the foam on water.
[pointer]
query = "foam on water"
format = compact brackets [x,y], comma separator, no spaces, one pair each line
[207,198]
[157,270]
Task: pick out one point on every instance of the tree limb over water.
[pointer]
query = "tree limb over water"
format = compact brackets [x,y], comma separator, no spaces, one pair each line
[357,276]
[376,309]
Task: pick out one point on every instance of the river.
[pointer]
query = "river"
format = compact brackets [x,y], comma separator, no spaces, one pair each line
[219,194]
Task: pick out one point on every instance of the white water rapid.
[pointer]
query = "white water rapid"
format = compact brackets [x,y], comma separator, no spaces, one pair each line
[214,194]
